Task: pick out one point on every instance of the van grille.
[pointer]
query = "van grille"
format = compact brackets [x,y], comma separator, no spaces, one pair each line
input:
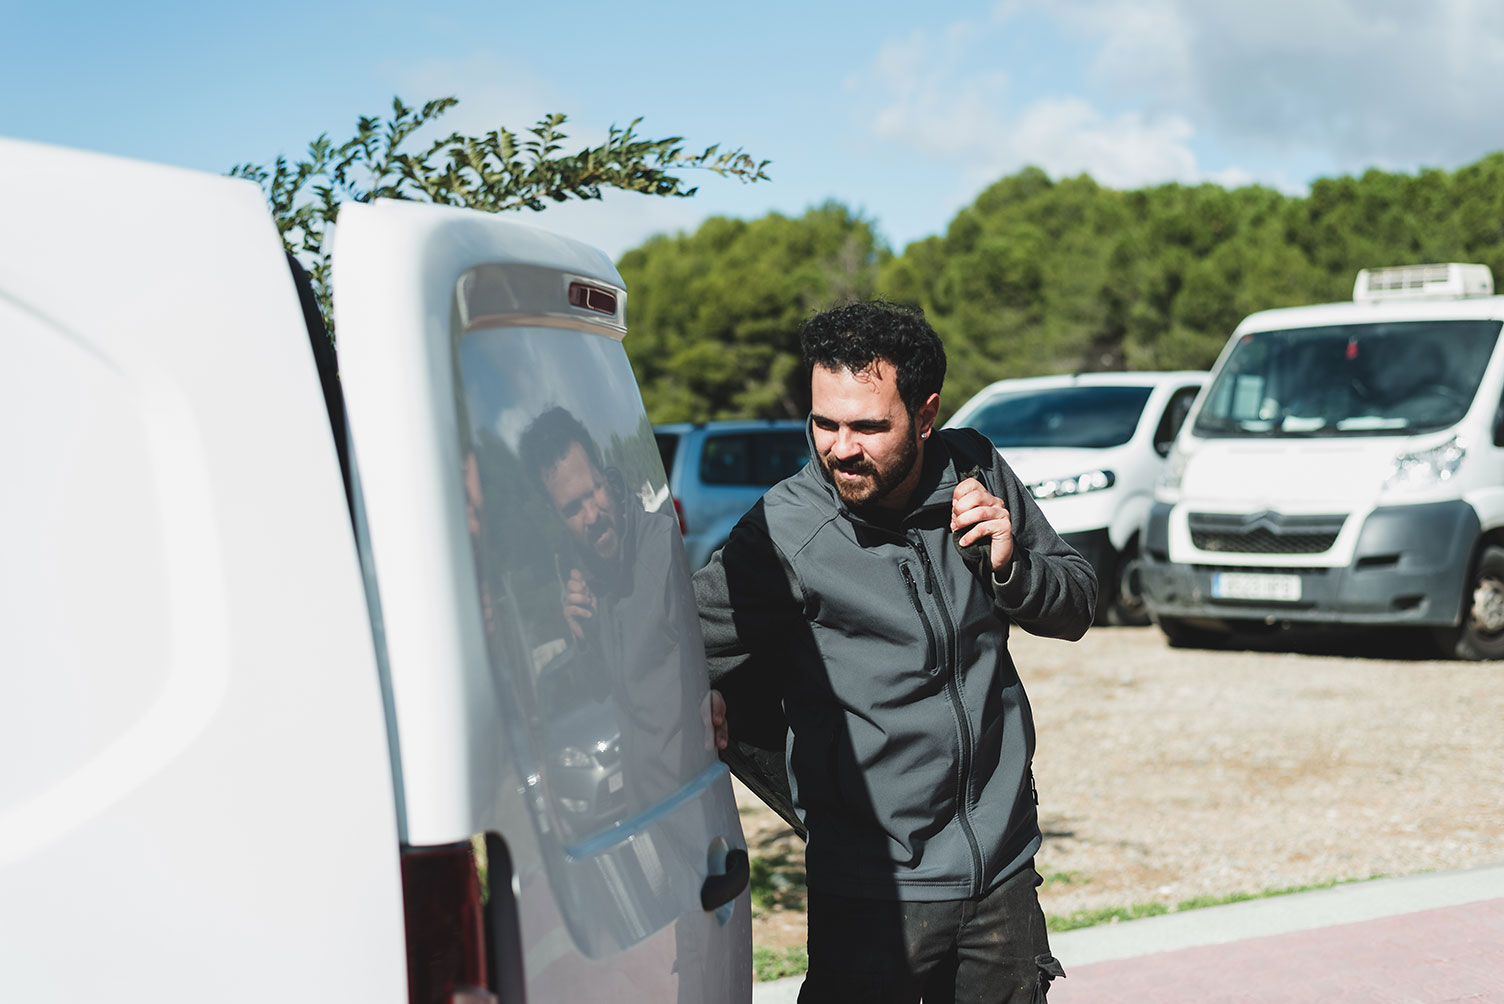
[1263,532]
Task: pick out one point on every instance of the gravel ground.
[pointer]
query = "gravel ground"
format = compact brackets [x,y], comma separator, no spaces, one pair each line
[1166,774]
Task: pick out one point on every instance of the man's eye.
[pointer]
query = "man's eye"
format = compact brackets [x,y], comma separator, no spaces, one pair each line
[570,509]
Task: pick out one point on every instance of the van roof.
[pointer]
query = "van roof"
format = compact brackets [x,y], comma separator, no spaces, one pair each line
[1349,312]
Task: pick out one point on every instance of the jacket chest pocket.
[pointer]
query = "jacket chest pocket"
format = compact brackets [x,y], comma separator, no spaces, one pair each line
[931,663]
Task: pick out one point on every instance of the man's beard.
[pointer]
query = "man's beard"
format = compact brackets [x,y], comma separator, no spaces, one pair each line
[879,482]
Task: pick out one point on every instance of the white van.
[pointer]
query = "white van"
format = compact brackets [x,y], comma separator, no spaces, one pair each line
[1090,448]
[274,727]
[1345,466]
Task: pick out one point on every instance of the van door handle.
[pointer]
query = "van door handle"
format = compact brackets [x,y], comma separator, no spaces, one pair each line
[721,889]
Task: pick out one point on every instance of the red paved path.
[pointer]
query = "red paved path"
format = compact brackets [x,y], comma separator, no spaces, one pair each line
[1452,954]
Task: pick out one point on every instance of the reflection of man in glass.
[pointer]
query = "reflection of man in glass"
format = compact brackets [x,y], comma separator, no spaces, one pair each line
[627,600]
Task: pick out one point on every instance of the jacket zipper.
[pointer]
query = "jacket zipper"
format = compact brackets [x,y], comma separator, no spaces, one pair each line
[953,690]
[930,646]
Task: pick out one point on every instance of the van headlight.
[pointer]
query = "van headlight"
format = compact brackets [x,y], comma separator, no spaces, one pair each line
[1080,484]
[1424,468]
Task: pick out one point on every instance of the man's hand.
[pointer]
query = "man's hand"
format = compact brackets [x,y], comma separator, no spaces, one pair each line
[713,714]
[982,514]
[579,602]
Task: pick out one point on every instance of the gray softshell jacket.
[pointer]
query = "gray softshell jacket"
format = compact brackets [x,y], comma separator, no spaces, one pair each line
[875,659]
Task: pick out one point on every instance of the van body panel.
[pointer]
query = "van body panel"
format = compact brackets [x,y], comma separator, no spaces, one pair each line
[196,790]
[547,669]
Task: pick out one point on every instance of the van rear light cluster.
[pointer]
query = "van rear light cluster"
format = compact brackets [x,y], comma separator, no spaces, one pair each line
[445,919]
[602,301]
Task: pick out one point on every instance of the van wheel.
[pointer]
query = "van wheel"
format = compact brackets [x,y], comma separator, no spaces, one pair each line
[1128,608]
[1481,633]
[1186,634]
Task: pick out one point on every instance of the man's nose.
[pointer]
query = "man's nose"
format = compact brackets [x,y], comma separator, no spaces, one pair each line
[846,446]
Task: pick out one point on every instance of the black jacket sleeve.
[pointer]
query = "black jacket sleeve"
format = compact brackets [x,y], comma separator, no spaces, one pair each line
[750,609]
[1049,589]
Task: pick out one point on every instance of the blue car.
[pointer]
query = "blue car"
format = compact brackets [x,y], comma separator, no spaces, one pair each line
[718,470]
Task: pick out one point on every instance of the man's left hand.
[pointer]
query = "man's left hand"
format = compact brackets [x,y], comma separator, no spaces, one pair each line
[982,514]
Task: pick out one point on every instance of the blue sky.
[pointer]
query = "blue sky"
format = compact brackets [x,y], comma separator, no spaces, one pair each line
[903,111]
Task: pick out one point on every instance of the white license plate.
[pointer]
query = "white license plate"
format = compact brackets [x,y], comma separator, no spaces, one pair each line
[613,783]
[1256,586]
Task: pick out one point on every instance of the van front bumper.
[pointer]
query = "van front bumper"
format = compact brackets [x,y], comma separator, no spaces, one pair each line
[1410,567]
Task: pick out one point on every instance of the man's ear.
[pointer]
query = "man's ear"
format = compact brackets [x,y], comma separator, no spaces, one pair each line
[924,418]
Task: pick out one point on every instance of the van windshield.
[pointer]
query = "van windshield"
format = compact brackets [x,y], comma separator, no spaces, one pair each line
[1349,380]
[1093,417]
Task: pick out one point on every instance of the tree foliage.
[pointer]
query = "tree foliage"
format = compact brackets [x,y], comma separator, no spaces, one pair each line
[494,172]
[714,316]
[1036,276]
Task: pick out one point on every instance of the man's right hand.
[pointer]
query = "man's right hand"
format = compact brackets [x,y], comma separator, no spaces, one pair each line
[579,602]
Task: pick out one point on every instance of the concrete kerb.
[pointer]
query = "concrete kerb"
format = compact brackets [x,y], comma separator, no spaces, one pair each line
[1215,925]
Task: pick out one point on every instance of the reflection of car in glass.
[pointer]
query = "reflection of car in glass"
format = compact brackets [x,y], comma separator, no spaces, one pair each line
[286,712]
[1090,448]
[584,749]
[718,470]
[1345,466]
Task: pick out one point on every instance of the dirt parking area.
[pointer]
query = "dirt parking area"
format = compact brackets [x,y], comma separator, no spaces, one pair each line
[1170,774]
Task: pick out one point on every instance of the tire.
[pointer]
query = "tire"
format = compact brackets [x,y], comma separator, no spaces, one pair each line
[1127,607]
[1186,634]
[1480,635]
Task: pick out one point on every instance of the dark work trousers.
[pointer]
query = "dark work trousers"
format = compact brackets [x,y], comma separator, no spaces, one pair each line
[991,950]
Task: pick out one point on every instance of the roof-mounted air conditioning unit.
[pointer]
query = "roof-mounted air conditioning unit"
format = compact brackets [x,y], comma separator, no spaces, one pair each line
[1407,282]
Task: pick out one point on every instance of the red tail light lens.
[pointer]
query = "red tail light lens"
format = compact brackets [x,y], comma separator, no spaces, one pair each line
[446,929]
[679,511]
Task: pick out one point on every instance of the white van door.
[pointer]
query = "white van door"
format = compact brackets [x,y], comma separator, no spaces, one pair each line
[547,670]
[196,796]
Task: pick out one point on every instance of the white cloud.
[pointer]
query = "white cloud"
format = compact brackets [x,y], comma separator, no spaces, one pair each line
[936,100]
[1355,82]
[1185,90]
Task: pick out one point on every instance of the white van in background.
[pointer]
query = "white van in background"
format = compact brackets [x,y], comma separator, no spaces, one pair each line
[277,727]
[1090,448]
[1345,466]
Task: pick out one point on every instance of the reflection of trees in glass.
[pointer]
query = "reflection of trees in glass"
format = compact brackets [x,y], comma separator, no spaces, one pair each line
[637,457]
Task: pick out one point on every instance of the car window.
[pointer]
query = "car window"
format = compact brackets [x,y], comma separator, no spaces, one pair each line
[1174,418]
[752,458]
[1088,416]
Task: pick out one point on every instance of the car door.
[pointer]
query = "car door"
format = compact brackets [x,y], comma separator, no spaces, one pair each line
[548,677]
[196,793]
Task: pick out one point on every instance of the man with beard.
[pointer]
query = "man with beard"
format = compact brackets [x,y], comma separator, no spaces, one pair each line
[857,621]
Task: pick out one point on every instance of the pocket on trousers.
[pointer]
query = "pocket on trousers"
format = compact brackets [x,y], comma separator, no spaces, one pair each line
[1049,968]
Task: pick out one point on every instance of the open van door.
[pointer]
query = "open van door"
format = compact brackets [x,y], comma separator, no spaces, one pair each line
[547,671]
[196,796]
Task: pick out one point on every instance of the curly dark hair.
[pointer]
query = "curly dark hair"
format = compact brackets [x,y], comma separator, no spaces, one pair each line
[855,335]
[549,436]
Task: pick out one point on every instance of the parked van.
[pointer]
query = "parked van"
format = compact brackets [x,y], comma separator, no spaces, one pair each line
[1345,466]
[404,709]
[1090,448]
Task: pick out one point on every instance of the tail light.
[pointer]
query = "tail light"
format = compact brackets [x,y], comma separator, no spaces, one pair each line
[679,511]
[445,917]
